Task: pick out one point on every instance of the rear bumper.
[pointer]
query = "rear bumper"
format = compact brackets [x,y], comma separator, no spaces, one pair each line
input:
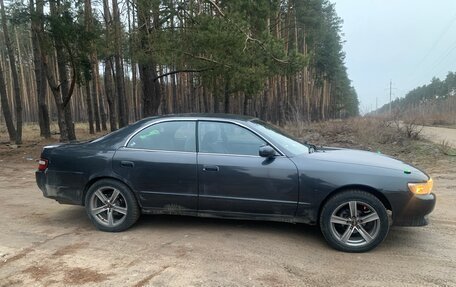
[416,210]
[61,193]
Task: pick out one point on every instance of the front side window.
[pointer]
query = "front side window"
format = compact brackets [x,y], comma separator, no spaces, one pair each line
[227,138]
[293,146]
[170,136]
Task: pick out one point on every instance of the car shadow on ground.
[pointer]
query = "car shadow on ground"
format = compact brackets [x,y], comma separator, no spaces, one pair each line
[67,217]
[215,224]
[76,217]
[231,231]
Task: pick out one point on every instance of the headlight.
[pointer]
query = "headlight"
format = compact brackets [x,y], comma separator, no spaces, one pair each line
[421,188]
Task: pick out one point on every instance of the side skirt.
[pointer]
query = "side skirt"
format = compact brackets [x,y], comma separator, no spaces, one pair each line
[178,210]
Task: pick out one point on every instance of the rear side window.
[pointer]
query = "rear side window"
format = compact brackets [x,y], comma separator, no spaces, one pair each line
[169,136]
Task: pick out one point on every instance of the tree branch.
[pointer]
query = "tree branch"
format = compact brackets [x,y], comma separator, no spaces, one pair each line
[219,10]
[207,59]
[180,71]
[248,37]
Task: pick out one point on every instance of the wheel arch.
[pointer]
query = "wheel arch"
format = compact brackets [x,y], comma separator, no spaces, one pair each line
[98,178]
[361,187]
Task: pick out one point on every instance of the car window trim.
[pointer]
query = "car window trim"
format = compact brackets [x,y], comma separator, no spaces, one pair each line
[229,154]
[157,150]
[197,120]
[158,122]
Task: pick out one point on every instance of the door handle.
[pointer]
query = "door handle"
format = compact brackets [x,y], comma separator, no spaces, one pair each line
[125,163]
[210,168]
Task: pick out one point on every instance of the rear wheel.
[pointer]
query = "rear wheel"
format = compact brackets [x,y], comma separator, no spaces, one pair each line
[111,205]
[354,221]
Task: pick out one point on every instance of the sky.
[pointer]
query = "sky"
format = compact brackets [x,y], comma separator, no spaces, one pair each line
[407,42]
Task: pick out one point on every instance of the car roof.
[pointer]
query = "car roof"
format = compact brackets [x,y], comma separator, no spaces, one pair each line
[206,116]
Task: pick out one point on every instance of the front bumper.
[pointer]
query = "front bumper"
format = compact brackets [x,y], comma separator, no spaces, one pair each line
[415,211]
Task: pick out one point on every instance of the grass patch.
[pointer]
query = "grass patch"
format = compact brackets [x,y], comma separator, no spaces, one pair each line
[446,149]
[371,134]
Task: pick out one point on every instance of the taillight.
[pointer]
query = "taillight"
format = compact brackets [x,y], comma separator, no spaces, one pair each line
[42,164]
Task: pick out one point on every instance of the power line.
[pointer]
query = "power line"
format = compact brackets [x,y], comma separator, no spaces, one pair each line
[444,31]
[391,89]
[376,105]
[442,59]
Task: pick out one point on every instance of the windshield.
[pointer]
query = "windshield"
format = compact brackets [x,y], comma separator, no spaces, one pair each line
[284,140]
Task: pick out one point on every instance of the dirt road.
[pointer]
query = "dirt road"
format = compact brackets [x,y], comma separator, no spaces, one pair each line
[439,134]
[43,243]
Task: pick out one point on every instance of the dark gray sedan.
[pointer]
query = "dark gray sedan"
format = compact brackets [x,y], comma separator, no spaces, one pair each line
[237,167]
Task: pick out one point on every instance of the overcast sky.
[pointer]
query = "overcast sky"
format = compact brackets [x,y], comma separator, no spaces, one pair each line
[406,41]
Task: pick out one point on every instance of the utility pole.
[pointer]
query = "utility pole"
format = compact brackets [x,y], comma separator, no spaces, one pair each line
[391,87]
[376,105]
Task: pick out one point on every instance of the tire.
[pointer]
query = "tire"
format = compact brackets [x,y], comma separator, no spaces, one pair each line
[354,221]
[111,205]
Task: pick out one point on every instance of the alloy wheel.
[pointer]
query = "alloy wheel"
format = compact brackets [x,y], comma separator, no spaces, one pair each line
[108,206]
[355,223]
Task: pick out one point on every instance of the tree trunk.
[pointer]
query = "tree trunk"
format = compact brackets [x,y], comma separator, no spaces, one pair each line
[6,108]
[40,77]
[108,79]
[94,62]
[131,27]
[96,110]
[100,99]
[60,91]
[227,96]
[16,89]
[110,95]
[54,87]
[63,78]
[151,93]
[120,85]
[89,108]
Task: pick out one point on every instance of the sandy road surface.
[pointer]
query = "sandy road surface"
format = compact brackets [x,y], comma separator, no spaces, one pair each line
[43,243]
[439,134]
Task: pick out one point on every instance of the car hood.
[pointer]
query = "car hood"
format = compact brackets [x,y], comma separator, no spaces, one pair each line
[359,157]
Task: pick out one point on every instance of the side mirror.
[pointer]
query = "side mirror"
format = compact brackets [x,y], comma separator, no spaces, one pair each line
[267,151]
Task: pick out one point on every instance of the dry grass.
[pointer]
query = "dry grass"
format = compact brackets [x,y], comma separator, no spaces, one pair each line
[372,134]
[438,112]
[364,133]
[438,119]
[31,132]
[32,143]
[446,148]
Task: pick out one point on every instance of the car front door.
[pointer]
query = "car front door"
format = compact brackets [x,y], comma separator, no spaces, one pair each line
[159,164]
[235,180]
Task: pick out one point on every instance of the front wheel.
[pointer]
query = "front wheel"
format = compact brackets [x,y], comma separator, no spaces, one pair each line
[354,221]
[111,206]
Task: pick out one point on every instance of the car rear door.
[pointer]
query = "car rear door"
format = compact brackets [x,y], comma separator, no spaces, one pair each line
[234,179]
[159,163]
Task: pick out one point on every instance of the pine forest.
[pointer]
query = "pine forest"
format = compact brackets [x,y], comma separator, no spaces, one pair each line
[109,63]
